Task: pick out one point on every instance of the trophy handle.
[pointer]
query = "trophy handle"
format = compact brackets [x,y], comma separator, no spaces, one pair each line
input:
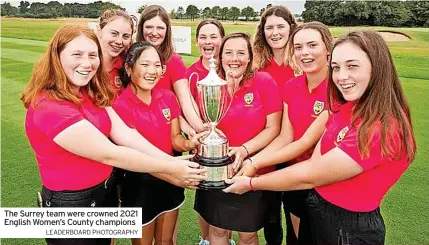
[190,94]
[232,95]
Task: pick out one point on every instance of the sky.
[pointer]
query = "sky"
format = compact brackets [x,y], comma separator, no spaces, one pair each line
[296,6]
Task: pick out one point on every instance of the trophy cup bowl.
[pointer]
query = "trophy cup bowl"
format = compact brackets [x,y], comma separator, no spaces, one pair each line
[213,100]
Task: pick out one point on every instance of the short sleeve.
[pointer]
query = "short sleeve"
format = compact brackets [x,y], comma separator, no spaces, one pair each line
[174,105]
[270,94]
[177,68]
[349,145]
[124,111]
[52,117]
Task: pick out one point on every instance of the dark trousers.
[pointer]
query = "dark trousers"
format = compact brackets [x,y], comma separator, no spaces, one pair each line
[331,224]
[273,230]
[294,203]
[102,195]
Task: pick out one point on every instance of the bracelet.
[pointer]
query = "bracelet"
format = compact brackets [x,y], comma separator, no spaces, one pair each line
[252,163]
[251,186]
[245,149]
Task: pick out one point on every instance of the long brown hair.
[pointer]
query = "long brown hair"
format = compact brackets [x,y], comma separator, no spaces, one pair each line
[166,48]
[48,74]
[383,101]
[248,73]
[313,25]
[262,50]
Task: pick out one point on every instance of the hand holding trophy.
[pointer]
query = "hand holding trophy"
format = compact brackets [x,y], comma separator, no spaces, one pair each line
[213,99]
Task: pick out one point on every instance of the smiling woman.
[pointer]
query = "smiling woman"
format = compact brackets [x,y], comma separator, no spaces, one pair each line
[304,104]
[252,121]
[155,27]
[67,99]
[209,36]
[154,114]
[80,64]
[359,151]
[116,29]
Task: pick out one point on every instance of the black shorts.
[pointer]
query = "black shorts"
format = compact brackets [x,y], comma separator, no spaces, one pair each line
[101,195]
[153,195]
[245,213]
[331,224]
[294,202]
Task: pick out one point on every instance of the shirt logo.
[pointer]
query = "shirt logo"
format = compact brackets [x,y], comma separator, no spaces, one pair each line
[318,107]
[118,82]
[342,133]
[164,69]
[248,98]
[167,114]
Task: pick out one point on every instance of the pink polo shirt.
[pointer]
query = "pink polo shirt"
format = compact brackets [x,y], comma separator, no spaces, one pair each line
[153,121]
[303,107]
[173,71]
[364,192]
[256,98]
[60,169]
[280,73]
[199,69]
[114,76]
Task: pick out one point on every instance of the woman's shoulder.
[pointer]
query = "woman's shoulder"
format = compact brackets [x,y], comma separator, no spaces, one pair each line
[294,81]
[175,57]
[263,78]
[163,93]
[45,100]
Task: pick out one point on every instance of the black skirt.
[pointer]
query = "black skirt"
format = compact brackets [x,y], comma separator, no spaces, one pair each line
[331,224]
[245,213]
[153,195]
[101,195]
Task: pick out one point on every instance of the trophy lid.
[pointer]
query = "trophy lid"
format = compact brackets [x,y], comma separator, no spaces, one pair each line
[212,79]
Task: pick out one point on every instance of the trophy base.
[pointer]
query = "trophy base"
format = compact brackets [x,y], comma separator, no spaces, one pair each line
[213,163]
[212,185]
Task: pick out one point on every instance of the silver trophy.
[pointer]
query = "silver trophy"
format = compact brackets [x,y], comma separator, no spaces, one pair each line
[213,100]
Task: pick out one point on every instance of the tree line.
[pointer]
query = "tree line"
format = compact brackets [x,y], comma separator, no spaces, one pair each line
[55,9]
[372,13]
[217,12]
[334,13]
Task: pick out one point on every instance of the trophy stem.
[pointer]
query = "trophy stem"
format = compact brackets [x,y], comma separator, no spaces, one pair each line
[213,127]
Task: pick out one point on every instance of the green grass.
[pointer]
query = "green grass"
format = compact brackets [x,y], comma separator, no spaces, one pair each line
[405,208]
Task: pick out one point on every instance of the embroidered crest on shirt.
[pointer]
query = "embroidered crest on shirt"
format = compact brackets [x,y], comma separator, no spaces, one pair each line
[248,98]
[318,107]
[342,133]
[164,69]
[118,82]
[167,114]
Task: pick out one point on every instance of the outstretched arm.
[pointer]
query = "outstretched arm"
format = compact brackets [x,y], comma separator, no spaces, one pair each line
[84,139]
[296,148]
[334,166]
[188,105]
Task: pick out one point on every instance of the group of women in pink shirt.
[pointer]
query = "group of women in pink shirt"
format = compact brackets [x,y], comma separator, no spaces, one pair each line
[320,126]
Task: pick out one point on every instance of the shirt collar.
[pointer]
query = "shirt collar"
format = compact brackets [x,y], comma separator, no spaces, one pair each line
[303,82]
[118,63]
[247,83]
[156,94]
[199,65]
[274,63]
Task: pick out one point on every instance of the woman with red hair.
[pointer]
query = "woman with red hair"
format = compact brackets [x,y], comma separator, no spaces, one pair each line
[69,123]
